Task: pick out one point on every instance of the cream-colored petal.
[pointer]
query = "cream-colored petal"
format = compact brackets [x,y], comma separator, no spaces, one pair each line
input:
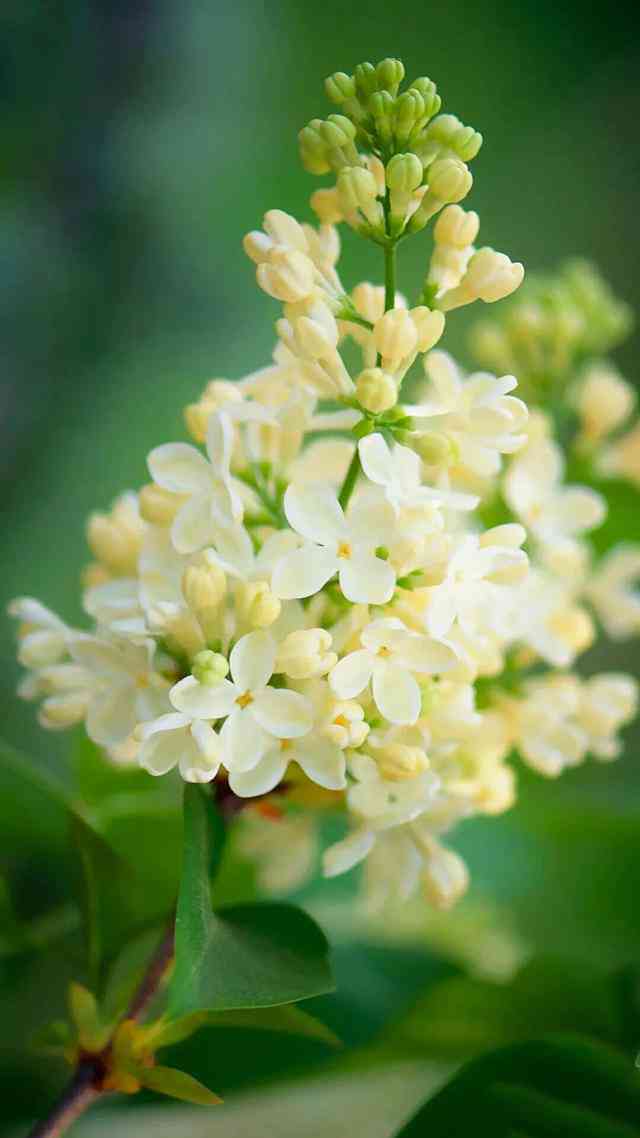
[283,713]
[203,701]
[303,572]
[262,778]
[396,693]
[366,579]
[342,856]
[351,674]
[427,656]
[193,527]
[161,752]
[376,459]
[244,742]
[252,660]
[180,468]
[111,716]
[322,762]
[314,512]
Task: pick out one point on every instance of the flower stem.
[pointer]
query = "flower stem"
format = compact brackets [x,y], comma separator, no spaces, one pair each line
[350,479]
[389,276]
[86,1085]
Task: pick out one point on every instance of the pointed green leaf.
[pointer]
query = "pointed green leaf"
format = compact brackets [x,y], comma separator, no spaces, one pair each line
[242,957]
[285,1018]
[563,1085]
[176,1084]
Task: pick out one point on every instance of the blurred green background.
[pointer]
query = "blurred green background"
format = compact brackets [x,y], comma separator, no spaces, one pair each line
[140,141]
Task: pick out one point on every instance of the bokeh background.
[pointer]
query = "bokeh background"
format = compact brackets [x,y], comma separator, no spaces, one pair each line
[140,141]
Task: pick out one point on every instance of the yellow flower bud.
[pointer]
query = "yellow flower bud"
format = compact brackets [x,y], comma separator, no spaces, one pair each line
[376,391]
[209,668]
[429,325]
[446,877]
[397,761]
[395,336]
[203,584]
[256,604]
[287,275]
[158,506]
[115,538]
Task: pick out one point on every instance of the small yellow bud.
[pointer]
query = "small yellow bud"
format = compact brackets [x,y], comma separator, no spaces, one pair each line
[446,877]
[325,204]
[397,761]
[395,336]
[376,391]
[203,584]
[604,401]
[429,325]
[287,275]
[158,506]
[257,606]
[434,448]
[115,538]
[457,227]
[449,180]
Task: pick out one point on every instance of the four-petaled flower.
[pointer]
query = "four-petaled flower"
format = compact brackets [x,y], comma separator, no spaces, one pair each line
[335,543]
[390,657]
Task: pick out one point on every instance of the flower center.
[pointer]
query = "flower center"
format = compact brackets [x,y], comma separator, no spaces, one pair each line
[344,549]
[245,699]
[384,651]
[285,744]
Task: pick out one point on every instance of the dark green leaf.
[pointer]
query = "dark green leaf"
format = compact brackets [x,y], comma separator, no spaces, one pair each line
[561,1086]
[242,957]
[286,1018]
[176,1084]
[460,1017]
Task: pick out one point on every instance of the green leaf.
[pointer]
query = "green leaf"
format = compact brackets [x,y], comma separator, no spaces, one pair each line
[176,1084]
[247,956]
[460,1017]
[102,893]
[41,779]
[562,1085]
[285,1018]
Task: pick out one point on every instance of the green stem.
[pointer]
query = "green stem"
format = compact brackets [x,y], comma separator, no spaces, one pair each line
[350,479]
[389,276]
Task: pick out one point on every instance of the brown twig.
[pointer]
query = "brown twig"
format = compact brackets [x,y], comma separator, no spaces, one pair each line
[87,1083]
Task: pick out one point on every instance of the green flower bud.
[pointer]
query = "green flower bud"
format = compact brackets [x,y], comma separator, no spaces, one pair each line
[408,110]
[389,75]
[404,172]
[209,667]
[337,131]
[427,89]
[357,190]
[380,106]
[434,447]
[313,149]
[340,87]
[365,80]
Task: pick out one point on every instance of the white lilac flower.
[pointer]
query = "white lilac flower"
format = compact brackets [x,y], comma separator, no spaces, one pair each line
[553,513]
[255,712]
[610,589]
[42,635]
[321,761]
[336,543]
[125,689]
[477,570]
[206,484]
[179,740]
[477,414]
[390,658]
[399,473]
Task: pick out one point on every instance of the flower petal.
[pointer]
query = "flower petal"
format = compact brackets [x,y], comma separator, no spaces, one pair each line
[322,762]
[342,856]
[111,716]
[396,694]
[366,579]
[422,654]
[161,752]
[244,742]
[203,701]
[180,468]
[200,754]
[193,526]
[252,660]
[283,713]
[314,511]
[263,777]
[376,460]
[351,674]
[303,572]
